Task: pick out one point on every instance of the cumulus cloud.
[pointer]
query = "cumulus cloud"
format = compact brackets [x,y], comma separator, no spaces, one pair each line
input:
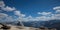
[57,11]
[18,13]
[6,8]
[49,15]
[39,18]
[5,18]
[20,16]
[2,15]
[2,4]
[44,13]
[30,18]
[45,18]
[56,8]
[9,19]
[57,14]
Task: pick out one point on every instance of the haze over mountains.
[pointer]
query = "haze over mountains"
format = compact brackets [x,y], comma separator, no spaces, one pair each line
[37,24]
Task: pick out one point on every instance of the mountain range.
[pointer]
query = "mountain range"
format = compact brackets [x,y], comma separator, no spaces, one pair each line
[37,24]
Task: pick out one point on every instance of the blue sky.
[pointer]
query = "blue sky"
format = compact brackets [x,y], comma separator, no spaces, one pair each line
[30,8]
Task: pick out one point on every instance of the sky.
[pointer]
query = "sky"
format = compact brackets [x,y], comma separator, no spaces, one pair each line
[29,10]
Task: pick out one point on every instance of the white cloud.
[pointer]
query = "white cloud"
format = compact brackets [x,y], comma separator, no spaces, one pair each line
[23,15]
[42,18]
[57,15]
[5,18]
[57,11]
[18,13]
[7,8]
[2,4]
[39,13]
[9,19]
[44,13]
[56,8]
[49,16]
[2,15]
[39,18]
[29,18]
